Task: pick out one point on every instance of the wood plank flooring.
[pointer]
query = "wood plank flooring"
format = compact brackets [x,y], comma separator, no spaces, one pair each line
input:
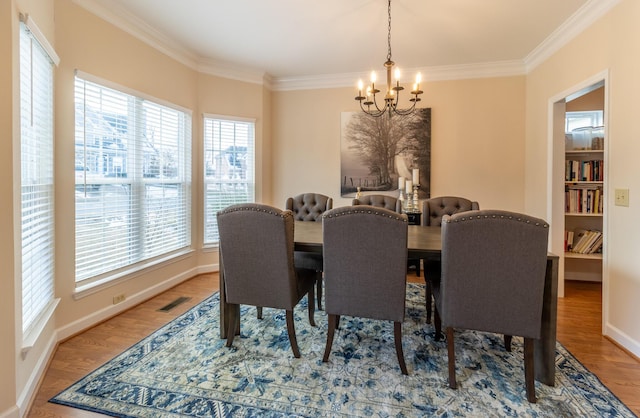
[579,330]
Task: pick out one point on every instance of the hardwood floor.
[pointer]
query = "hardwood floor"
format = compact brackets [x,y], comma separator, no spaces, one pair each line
[579,330]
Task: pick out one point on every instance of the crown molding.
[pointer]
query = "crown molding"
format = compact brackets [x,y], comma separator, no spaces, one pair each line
[578,22]
[439,73]
[572,27]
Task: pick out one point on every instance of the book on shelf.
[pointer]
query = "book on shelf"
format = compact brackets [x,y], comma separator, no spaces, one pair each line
[580,170]
[583,241]
[583,198]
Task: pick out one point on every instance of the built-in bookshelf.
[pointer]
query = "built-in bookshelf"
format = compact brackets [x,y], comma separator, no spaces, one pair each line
[584,196]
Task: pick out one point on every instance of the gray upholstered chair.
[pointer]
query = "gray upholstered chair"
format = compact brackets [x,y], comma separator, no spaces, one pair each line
[379,201]
[365,262]
[493,272]
[310,207]
[432,212]
[256,246]
[391,203]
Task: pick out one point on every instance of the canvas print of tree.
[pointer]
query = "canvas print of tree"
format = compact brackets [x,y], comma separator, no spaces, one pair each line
[375,152]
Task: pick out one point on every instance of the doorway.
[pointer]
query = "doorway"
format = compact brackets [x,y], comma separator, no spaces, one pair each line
[588,97]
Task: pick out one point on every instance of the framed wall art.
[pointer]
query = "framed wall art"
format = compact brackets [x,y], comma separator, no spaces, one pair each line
[379,154]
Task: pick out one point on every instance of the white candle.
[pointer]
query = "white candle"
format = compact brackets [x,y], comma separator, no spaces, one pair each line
[401,183]
[416,176]
[409,186]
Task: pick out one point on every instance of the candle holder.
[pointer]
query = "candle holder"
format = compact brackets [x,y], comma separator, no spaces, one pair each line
[415,196]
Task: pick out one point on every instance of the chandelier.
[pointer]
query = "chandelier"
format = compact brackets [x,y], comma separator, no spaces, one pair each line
[392,95]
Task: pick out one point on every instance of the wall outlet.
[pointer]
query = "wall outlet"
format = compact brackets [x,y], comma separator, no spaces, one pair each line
[622,197]
[119,298]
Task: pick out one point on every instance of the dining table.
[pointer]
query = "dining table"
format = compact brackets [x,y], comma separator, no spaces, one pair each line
[425,242]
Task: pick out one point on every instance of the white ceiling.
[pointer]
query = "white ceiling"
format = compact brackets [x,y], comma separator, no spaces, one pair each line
[333,41]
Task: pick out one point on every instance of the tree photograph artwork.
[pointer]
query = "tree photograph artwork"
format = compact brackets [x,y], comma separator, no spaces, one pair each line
[376,151]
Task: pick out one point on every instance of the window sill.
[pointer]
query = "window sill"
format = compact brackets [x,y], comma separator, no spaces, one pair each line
[32,335]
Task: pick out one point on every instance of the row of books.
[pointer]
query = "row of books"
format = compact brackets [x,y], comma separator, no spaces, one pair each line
[583,199]
[590,170]
[583,241]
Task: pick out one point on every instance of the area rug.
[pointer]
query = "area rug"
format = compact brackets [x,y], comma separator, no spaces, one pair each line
[184,369]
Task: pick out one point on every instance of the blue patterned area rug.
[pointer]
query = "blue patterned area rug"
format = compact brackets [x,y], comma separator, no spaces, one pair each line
[184,369]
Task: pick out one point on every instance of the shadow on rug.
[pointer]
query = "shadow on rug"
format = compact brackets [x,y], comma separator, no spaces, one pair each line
[184,369]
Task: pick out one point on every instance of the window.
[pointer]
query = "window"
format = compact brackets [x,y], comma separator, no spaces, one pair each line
[133,179]
[575,120]
[36,176]
[229,168]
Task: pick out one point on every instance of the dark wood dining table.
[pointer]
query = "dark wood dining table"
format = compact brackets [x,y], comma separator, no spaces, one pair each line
[425,242]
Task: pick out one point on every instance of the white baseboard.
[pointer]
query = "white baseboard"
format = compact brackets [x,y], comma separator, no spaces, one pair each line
[131,301]
[28,394]
[623,339]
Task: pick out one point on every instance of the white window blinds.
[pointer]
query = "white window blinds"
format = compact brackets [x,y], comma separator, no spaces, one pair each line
[36,177]
[229,162]
[133,179]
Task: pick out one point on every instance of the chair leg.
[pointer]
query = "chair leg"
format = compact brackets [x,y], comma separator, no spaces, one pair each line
[319,289]
[234,317]
[529,373]
[428,296]
[291,329]
[437,321]
[311,306]
[452,358]
[331,328]
[397,336]
[259,310]
[507,342]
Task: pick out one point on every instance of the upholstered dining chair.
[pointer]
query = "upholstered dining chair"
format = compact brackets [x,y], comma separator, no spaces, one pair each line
[493,272]
[379,201]
[391,203]
[256,246]
[365,262]
[432,212]
[309,207]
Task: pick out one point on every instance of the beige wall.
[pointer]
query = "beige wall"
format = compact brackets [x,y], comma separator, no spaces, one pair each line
[489,143]
[610,46]
[477,141]
[8,292]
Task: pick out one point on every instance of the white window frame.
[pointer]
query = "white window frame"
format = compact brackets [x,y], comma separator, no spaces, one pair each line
[139,212]
[239,184]
[38,60]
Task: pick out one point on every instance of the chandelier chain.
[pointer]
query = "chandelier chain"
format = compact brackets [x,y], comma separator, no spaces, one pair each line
[389,32]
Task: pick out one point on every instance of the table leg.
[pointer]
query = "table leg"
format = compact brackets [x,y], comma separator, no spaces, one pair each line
[545,347]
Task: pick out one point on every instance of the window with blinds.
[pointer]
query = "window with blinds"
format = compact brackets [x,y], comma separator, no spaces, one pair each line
[229,168]
[36,177]
[133,179]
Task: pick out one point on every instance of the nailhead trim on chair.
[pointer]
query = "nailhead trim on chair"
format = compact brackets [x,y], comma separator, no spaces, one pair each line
[265,209]
[351,211]
[470,218]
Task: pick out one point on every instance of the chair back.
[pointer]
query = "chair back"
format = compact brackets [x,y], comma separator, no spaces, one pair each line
[435,208]
[309,206]
[493,272]
[379,201]
[365,262]
[256,245]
